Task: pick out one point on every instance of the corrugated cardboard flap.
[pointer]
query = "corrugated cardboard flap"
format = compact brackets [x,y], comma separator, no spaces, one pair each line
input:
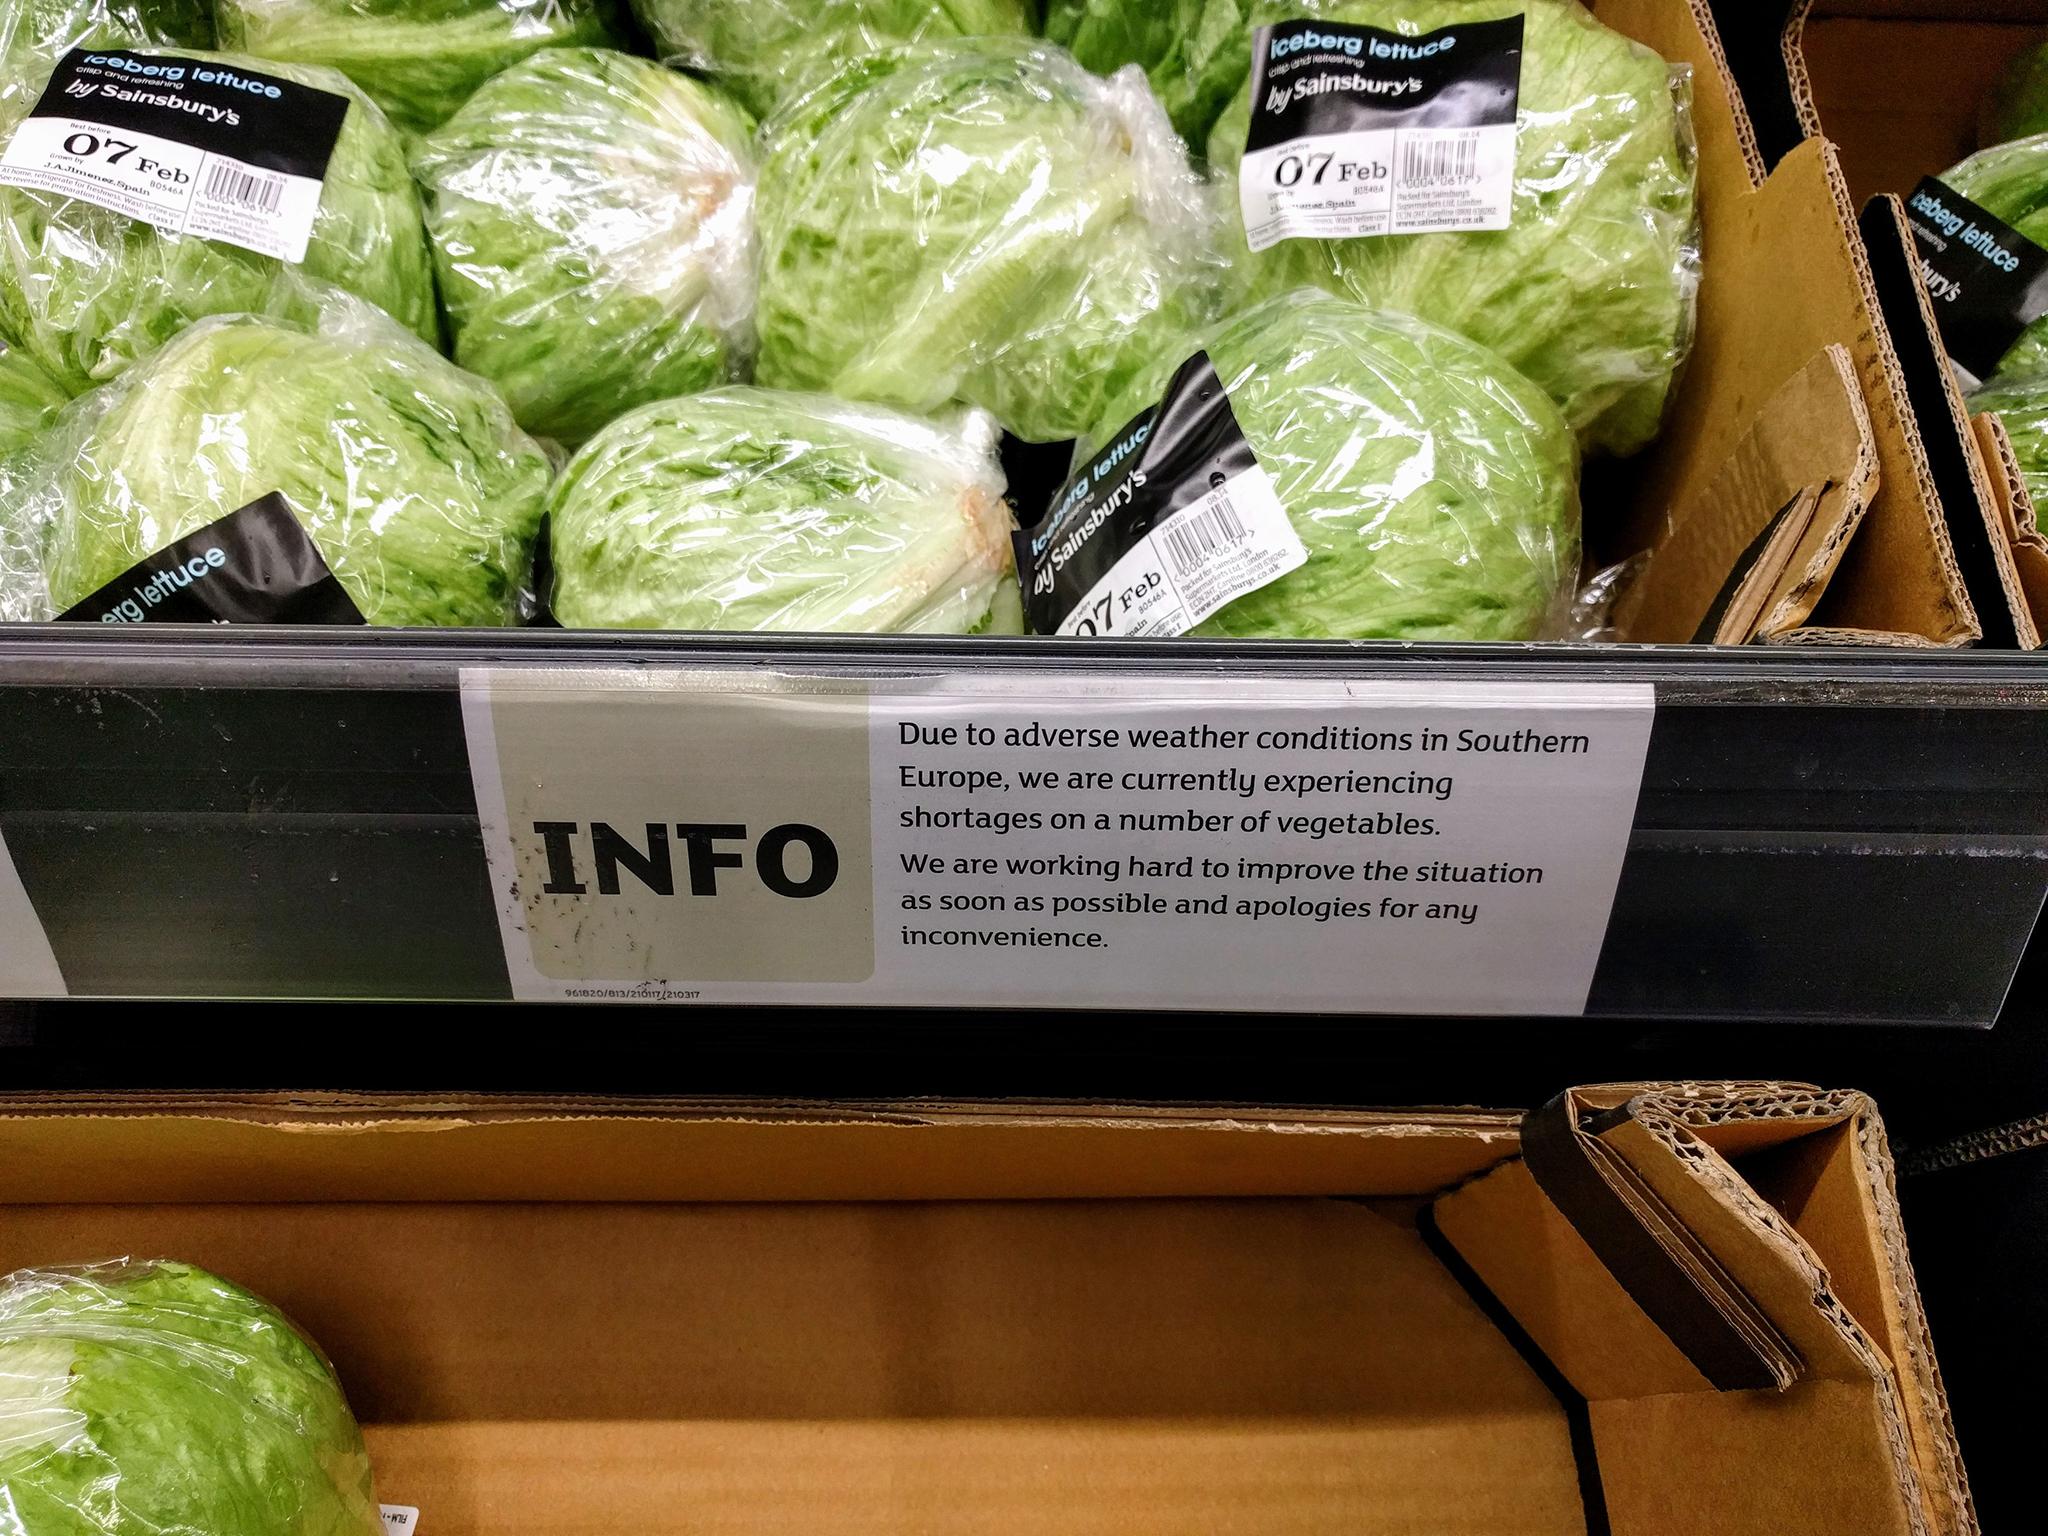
[1728,569]
[2018,521]
[1875,1451]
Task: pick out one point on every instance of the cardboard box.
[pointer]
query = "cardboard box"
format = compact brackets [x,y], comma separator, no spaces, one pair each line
[1794,405]
[1857,72]
[1652,1311]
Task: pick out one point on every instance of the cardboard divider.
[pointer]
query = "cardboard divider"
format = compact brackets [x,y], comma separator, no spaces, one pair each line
[570,1345]
[1729,570]
[1869,1411]
[2019,521]
[1784,278]
[1857,72]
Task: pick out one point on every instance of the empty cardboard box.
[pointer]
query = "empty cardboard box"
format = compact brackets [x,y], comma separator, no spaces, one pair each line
[1650,1311]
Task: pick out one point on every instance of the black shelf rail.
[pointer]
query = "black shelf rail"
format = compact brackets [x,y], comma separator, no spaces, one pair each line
[1839,836]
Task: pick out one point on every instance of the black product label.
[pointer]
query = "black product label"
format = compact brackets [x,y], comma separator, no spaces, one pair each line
[1987,280]
[254,566]
[1170,521]
[1357,131]
[192,146]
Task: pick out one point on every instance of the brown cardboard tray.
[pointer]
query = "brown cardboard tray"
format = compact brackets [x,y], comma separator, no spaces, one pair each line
[1687,1309]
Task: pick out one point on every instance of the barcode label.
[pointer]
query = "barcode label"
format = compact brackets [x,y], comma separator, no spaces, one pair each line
[258,190]
[1201,535]
[1444,162]
[1233,541]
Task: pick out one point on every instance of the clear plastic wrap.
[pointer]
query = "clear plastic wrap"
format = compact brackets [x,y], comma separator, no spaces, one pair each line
[984,222]
[765,51]
[139,1399]
[35,34]
[29,398]
[592,217]
[2010,181]
[1590,290]
[409,476]
[1196,53]
[753,509]
[86,291]
[1435,488]
[418,59]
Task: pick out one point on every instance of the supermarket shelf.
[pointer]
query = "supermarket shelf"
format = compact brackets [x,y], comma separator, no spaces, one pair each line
[1838,836]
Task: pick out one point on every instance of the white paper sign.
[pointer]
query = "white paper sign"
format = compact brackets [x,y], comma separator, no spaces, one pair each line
[400,1520]
[27,967]
[1262,844]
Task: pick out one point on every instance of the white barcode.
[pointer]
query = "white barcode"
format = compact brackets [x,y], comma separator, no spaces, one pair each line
[246,189]
[1194,538]
[1440,162]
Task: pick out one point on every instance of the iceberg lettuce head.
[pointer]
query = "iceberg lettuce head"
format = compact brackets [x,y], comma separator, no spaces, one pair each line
[1434,488]
[754,509]
[1590,289]
[592,216]
[408,475]
[85,291]
[983,222]
[138,1399]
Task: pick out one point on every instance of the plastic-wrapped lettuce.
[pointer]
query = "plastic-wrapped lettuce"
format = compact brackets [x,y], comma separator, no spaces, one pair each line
[1434,488]
[2011,181]
[143,1398]
[1196,53]
[979,221]
[754,509]
[408,475]
[29,397]
[86,291]
[418,59]
[1590,289]
[2017,106]
[765,51]
[35,34]
[592,217]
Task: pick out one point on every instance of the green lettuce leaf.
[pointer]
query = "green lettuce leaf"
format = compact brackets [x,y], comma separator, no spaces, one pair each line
[1196,53]
[417,59]
[29,397]
[35,34]
[2017,106]
[409,475]
[765,51]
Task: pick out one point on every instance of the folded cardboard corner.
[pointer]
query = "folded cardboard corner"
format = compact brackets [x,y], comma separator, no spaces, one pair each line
[1728,570]
[1856,72]
[677,1315]
[1785,285]
[2018,522]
